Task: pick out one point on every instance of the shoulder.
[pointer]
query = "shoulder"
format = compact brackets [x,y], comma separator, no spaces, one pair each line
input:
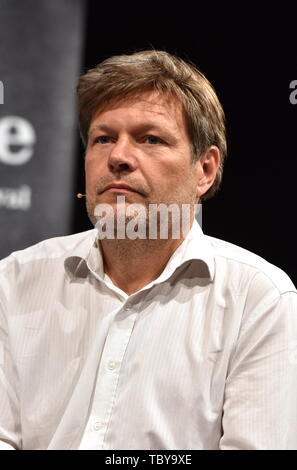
[50,249]
[244,265]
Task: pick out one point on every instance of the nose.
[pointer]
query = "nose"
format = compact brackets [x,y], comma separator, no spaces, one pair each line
[122,157]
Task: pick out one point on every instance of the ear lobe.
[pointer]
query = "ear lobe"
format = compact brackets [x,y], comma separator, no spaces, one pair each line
[207,169]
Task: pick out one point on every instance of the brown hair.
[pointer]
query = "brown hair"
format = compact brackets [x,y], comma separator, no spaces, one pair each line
[126,75]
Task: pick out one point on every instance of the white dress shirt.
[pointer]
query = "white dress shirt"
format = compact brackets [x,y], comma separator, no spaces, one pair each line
[203,357]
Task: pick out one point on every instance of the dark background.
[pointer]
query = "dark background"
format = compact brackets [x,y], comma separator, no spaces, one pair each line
[249,55]
[248,52]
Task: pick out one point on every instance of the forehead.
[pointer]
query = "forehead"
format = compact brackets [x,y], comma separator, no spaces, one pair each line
[150,104]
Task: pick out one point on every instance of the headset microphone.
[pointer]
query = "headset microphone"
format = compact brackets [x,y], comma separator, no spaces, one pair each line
[80,195]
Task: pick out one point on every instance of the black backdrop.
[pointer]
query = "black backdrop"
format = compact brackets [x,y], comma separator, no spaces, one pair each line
[249,54]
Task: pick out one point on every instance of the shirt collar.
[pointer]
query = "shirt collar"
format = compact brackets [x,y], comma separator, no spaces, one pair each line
[196,247]
[87,257]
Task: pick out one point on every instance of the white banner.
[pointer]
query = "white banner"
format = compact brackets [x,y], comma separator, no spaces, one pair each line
[40,58]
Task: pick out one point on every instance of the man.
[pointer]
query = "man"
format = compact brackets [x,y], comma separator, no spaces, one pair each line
[180,341]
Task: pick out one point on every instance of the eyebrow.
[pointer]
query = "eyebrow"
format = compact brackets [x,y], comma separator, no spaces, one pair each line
[145,127]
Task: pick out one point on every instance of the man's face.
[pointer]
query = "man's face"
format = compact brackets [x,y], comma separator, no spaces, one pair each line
[140,142]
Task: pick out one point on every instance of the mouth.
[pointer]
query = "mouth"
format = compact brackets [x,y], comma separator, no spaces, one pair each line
[119,188]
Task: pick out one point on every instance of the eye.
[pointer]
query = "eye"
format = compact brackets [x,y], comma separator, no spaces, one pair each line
[102,139]
[153,140]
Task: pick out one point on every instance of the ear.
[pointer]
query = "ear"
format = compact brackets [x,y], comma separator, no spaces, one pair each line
[206,169]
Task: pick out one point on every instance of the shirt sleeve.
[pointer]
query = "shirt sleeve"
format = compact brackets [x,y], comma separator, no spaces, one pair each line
[260,404]
[10,428]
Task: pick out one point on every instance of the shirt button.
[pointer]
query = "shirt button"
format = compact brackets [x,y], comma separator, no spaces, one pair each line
[98,426]
[112,365]
[127,307]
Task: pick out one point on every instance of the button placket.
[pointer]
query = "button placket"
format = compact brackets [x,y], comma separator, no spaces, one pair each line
[105,392]
[98,425]
[112,365]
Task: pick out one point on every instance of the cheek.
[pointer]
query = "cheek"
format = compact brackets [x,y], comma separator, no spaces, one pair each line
[168,178]
[178,173]
[172,168]
[88,175]
[91,169]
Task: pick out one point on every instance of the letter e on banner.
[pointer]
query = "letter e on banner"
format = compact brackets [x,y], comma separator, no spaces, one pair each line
[17,139]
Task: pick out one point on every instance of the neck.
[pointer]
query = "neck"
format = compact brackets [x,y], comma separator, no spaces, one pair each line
[132,264]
